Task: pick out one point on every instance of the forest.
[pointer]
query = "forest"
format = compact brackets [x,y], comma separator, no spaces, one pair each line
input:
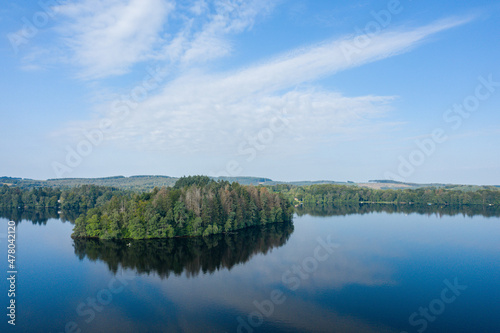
[76,198]
[195,206]
[201,206]
[138,183]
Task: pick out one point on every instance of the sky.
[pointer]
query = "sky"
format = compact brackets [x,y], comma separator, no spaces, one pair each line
[285,89]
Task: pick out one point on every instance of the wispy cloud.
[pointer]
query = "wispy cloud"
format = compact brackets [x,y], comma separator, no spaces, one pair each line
[214,111]
[227,17]
[108,37]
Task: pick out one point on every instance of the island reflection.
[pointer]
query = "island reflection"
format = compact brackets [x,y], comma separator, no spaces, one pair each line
[185,255]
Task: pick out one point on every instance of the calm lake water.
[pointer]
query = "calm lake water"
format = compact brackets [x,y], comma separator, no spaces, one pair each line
[370,272]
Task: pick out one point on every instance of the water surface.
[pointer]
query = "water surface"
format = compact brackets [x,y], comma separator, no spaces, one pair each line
[382,268]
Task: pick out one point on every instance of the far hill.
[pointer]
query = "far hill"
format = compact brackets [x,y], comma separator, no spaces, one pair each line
[147,183]
[135,183]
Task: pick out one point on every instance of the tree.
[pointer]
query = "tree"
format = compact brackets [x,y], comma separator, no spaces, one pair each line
[93,226]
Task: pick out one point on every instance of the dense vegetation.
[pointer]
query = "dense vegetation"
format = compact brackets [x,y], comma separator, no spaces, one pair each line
[132,183]
[200,206]
[325,196]
[197,206]
[76,198]
[14,197]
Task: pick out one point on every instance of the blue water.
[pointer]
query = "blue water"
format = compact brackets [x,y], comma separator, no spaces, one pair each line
[353,273]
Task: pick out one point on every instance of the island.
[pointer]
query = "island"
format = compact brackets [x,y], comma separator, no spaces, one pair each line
[201,206]
[194,206]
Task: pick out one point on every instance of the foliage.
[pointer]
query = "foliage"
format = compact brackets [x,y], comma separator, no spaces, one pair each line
[77,198]
[132,183]
[193,180]
[196,206]
[200,206]
[14,197]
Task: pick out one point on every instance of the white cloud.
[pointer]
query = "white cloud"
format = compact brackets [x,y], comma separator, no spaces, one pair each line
[204,38]
[199,7]
[216,112]
[29,61]
[108,37]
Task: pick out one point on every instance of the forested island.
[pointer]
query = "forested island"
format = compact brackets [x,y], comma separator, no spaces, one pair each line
[195,206]
[201,206]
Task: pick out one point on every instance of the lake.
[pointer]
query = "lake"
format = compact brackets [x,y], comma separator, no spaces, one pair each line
[346,270]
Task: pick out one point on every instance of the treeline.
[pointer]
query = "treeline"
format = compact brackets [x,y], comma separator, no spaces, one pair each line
[333,195]
[76,198]
[89,196]
[139,183]
[200,206]
[196,206]
[135,183]
[14,197]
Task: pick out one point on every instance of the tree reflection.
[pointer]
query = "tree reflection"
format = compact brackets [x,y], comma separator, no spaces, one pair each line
[185,255]
[439,210]
[35,216]
[39,216]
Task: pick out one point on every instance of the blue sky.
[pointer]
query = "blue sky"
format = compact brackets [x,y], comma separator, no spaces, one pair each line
[287,89]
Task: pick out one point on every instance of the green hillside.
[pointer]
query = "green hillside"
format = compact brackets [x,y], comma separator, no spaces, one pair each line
[147,183]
